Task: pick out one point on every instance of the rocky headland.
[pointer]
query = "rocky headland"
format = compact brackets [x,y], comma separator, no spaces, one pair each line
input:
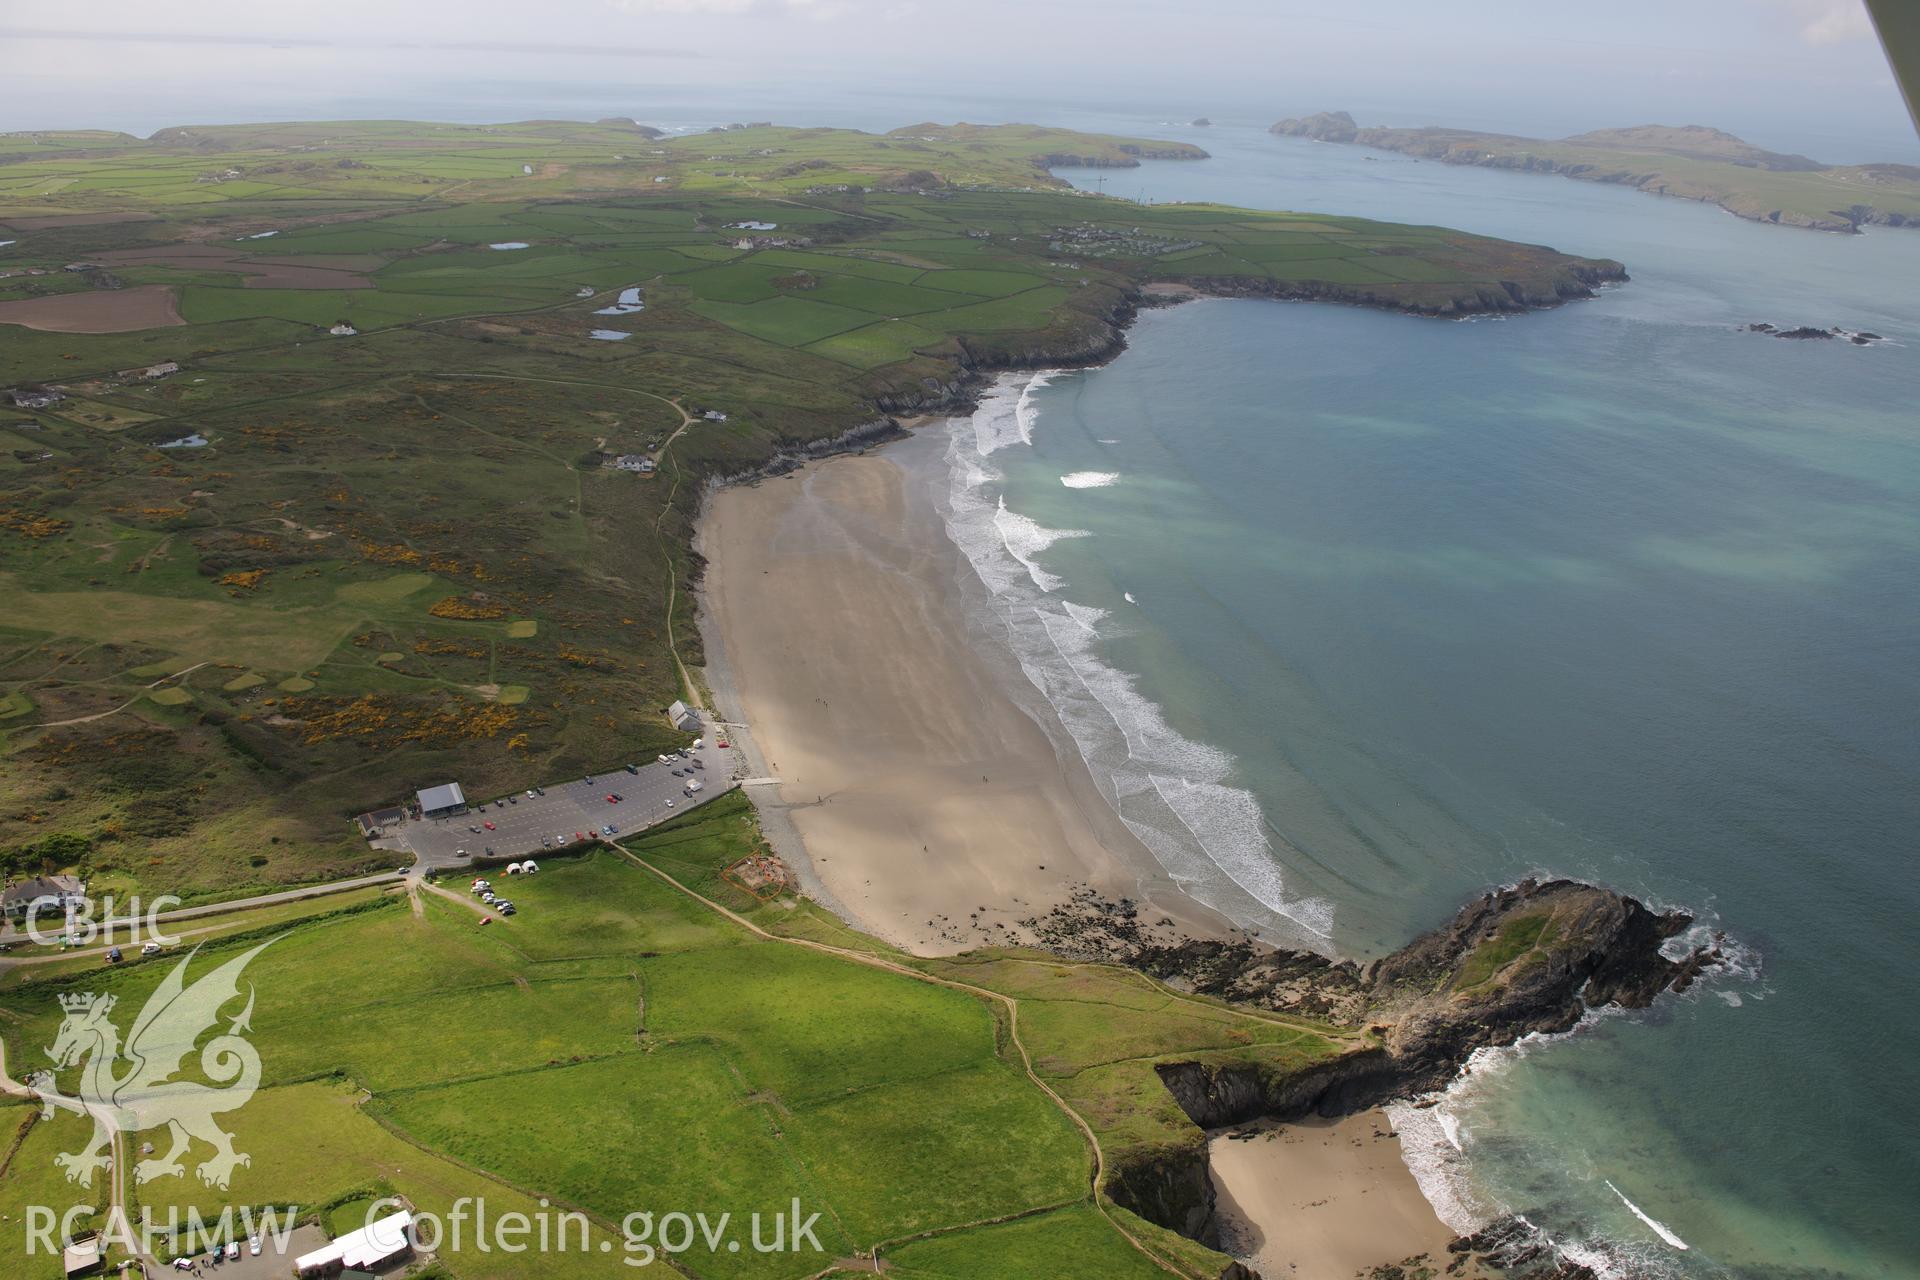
[1690,161]
[1533,958]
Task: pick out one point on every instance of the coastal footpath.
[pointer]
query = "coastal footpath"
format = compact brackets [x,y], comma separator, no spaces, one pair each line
[1692,162]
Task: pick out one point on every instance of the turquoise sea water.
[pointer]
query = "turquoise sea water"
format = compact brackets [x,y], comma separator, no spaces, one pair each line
[1613,591]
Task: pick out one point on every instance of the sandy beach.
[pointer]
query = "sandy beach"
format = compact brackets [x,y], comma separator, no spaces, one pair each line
[1322,1199]
[932,806]
[922,799]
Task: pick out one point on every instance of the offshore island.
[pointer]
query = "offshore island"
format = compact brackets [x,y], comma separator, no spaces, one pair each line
[350,457]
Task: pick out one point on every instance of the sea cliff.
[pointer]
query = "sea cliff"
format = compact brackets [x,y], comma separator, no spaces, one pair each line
[1533,958]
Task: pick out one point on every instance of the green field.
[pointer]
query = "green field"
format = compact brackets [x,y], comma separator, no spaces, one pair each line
[398,555]
[623,1045]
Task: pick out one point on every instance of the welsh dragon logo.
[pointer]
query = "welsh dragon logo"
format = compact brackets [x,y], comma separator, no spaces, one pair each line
[136,1086]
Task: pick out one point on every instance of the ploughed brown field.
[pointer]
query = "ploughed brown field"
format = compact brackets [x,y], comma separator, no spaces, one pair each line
[147,306]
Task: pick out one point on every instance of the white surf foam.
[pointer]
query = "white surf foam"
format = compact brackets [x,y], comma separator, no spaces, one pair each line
[1174,793]
[1090,479]
[1024,538]
[1658,1228]
[1005,414]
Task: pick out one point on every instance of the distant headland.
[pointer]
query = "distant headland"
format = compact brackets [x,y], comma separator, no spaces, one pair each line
[1690,161]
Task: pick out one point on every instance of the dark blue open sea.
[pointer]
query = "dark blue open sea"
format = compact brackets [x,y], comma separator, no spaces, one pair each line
[1355,614]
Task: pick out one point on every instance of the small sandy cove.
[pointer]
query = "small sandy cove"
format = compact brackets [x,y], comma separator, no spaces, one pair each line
[1323,1199]
[932,806]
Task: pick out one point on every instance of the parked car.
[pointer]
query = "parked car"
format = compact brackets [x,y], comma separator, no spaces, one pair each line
[529,793]
[722,744]
[150,949]
[460,853]
[633,768]
[612,799]
[253,1245]
[508,909]
[545,843]
[489,826]
[515,799]
[233,1250]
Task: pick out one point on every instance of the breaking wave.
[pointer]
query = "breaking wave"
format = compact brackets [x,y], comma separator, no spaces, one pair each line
[1090,479]
[1172,792]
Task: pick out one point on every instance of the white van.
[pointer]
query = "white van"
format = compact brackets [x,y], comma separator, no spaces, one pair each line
[694,786]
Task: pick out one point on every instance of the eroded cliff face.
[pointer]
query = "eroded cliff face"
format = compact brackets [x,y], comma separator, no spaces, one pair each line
[1535,957]
[1531,958]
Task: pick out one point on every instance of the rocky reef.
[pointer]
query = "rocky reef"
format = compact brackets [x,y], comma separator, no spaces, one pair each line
[1856,337]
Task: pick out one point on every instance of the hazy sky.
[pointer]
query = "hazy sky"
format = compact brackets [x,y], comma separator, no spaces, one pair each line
[1796,74]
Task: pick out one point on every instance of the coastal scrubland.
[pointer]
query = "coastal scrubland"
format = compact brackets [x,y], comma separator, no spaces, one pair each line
[345,521]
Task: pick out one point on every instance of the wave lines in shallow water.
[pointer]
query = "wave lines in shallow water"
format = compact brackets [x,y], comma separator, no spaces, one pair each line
[1172,792]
